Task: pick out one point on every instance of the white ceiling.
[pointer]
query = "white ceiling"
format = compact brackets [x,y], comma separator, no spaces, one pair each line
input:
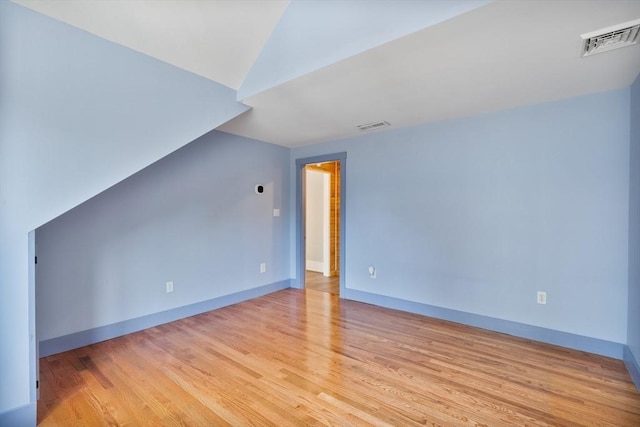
[497,56]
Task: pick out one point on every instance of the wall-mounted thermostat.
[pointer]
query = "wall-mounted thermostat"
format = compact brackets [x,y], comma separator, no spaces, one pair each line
[259,189]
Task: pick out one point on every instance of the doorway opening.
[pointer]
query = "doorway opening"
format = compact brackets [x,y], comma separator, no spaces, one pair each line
[322,227]
[321,187]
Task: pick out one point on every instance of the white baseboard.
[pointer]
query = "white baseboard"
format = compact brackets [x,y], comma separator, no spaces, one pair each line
[316,266]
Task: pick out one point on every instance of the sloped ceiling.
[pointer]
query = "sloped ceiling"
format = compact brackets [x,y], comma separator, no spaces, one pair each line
[218,40]
[314,70]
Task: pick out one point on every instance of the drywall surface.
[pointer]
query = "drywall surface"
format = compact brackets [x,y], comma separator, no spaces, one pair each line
[77,115]
[192,218]
[478,214]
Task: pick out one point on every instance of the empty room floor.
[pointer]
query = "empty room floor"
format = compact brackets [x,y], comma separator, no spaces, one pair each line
[304,357]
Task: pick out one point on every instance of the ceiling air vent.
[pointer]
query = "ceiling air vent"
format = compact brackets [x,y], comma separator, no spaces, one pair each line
[372,126]
[610,38]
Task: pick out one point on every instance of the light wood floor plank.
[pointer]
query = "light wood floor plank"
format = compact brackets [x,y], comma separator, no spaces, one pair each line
[305,357]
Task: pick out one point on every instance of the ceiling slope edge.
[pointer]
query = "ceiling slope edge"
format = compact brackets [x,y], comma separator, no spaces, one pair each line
[314,34]
[218,40]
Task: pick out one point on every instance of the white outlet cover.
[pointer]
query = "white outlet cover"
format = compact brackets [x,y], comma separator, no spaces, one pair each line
[276,212]
[263,267]
[542,297]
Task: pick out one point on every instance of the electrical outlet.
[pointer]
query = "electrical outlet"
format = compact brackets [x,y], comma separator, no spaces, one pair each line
[276,212]
[263,267]
[372,272]
[542,297]
[169,287]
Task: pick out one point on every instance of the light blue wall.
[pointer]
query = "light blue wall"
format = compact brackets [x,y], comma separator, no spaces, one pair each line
[633,334]
[192,218]
[478,214]
[77,115]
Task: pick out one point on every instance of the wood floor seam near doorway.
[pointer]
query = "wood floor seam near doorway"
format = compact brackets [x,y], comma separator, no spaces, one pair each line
[304,357]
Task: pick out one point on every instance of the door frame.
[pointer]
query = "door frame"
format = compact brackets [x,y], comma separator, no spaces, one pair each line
[301,218]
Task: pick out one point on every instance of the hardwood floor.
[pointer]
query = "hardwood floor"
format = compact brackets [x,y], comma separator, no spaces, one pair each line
[318,282]
[303,357]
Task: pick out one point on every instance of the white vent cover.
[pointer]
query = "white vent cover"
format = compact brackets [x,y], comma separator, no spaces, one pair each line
[621,35]
[372,126]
